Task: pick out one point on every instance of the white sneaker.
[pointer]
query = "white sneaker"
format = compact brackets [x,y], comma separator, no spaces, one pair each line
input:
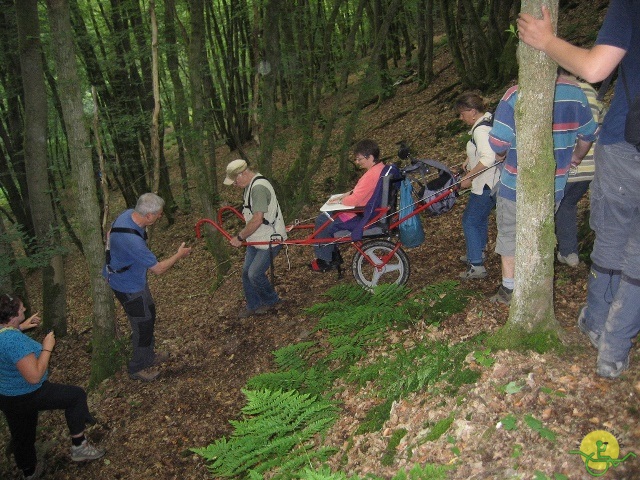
[474,272]
[572,259]
[85,451]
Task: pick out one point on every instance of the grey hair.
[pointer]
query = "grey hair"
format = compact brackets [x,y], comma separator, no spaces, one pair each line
[149,203]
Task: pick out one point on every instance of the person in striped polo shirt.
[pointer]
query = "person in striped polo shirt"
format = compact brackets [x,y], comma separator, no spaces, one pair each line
[574,131]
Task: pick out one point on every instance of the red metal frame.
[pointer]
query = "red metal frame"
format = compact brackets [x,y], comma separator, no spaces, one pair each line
[312,240]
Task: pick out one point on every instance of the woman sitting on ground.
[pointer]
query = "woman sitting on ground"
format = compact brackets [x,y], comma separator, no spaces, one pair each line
[367,156]
[25,390]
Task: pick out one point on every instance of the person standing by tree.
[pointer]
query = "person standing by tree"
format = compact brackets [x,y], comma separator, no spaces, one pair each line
[264,224]
[573,132]
[611,317]
[580,177]
[126,273]
[25,390]
[480,156]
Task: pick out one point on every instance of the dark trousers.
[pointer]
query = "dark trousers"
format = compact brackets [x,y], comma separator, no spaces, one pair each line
[141,312]
[21,412]
[325,251]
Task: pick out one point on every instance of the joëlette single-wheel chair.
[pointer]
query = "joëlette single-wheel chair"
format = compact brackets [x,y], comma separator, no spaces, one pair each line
[379,256]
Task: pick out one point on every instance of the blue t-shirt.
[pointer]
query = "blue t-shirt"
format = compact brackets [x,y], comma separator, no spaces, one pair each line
[621,28]
[572,118]
[128,249]
[14,346]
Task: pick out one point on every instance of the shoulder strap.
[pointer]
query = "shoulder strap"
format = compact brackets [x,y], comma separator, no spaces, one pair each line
[129,230]
[259,177]
[487,122]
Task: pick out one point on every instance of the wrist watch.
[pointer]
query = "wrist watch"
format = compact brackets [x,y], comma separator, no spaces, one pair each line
[240,238]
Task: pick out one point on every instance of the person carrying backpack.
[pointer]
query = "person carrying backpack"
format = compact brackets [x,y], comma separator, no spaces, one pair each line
[128,259]
[480,156]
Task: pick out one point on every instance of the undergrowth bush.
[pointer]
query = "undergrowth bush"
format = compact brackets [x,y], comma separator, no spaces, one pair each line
[289,410]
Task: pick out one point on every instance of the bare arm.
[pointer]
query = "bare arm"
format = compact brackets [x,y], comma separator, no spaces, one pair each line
[33,369]
[580,151]
[594,65]
[161,267]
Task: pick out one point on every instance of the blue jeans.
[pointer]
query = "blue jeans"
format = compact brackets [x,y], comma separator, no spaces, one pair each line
[567,217]
[475,224]
[613,298]
[258,291]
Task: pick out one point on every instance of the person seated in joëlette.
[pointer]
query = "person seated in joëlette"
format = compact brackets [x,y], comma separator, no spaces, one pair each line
[366,156]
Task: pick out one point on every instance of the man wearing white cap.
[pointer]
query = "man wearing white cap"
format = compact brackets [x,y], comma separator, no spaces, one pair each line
[264,224]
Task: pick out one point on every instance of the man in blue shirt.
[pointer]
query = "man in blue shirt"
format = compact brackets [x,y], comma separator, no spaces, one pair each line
[126,273]
[611,318]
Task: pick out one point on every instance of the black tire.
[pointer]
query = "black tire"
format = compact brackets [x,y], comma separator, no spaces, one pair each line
[395,271]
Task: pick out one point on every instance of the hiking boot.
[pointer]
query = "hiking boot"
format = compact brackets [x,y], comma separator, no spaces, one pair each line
[320,266]
[474,272]
[246,312]
[267,309]
[572,259]
[85,451]
[594,337]
[37,473]
[611,370]
[503,295]
[463,258]
[146,374]
[160,358]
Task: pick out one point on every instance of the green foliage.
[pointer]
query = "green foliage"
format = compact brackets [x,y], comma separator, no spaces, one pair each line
[277,435]
[439,301]
[286,412]
[439,428]
[483,357]
[316,380]
[375,418]
[410,370]
[537,426]
[418,472]
[296,356]
[509,423]
[517,338]
[390,452]
[511,388]
[40,256]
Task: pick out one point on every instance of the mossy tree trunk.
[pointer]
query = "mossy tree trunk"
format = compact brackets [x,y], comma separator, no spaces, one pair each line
[36,160]
[531,309]
[105,355]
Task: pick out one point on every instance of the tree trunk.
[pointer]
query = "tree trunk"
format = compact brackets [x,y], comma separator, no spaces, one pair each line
[35,153]
[531,308]
[181,117]
[204,181]
[154,134]
[11,279]
[425,42]
[105,359]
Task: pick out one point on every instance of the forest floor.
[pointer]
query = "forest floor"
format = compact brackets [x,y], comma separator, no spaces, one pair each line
[148,428]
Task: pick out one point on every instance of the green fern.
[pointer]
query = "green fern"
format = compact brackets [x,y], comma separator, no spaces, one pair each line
[277,435]
[295,356]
